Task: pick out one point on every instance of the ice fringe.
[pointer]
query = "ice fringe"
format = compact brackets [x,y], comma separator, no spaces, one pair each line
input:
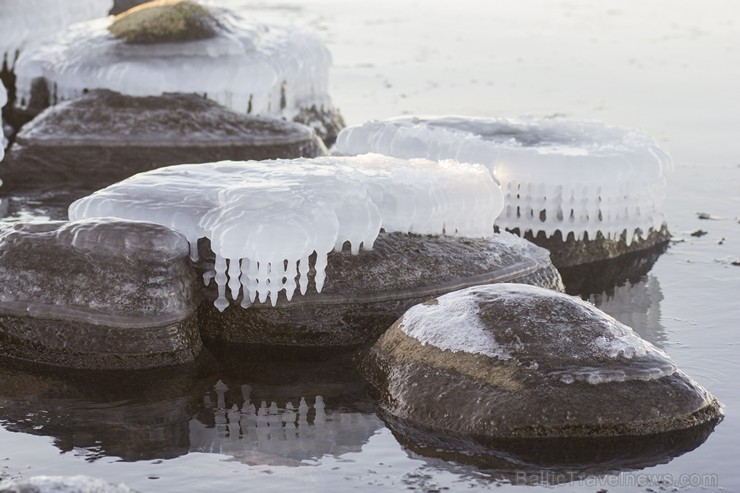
[265,218]
[3,100]
[248,67]
[576,177]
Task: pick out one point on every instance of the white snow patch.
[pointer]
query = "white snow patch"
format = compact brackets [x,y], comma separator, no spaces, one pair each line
[556,174]
[247,66]
[63,484]
[264,218]
[452,324]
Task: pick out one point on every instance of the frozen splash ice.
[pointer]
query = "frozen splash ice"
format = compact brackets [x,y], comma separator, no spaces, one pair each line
[265,218]
[247,67]
[25,21]
[576,177]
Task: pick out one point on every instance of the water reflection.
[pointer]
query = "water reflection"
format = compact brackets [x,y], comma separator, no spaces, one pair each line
[253,432]
[256,417]
[636,304]
[548,460]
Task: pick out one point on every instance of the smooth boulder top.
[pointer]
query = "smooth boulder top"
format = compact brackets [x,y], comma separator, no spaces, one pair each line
[103,117]
[520,361]
[103,271]
[164,21]
[61,484]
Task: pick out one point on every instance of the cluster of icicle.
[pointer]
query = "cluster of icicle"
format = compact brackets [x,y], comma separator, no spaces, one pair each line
[265,218]
[248,67]
[561,175]
[26,21]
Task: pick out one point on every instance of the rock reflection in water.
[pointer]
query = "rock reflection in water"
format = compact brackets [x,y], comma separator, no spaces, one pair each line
[636,304]
[289,433]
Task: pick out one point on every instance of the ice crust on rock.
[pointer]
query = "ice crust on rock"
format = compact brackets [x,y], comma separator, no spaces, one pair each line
[248,67]
[556,174]
[24,21]
[265,218]
[558,327]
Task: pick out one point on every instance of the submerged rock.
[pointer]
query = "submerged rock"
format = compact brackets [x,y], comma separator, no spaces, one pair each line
[100,294]
[61,484]
[363,294]
[104,137]
[164,21]
[519,362]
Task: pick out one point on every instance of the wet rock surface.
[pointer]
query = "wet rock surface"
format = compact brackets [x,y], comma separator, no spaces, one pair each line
[364,294]
[518,362]
[164,21]
[100,294]
[572,253]
[61,484]
[104,137]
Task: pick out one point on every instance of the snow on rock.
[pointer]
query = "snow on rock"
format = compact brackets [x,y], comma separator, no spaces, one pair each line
[265,218]
[248,67]
[24,21]
[577,177]
[574,333]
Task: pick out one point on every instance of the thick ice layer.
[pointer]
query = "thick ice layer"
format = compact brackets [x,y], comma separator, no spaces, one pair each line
[248,67]
[565,337]
[26,21]
[265,218]
[556,174]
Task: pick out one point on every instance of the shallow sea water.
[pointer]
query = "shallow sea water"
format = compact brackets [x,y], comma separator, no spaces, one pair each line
[671,68]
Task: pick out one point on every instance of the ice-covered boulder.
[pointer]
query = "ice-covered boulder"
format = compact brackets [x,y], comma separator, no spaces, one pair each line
[584,190]
[104,137]
[247,66]
[61,484]
[264,219]
[509,361]
[98,294]
[364,294]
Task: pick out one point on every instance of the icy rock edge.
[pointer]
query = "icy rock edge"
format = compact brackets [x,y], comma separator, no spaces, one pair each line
[265,218]
[556,174]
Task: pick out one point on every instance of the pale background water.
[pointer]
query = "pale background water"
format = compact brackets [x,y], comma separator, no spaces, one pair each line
[670,68]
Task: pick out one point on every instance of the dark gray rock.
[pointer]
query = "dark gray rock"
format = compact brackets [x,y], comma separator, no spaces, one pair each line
[327,122]
[105,137]
[99,294]
[120,6]
[364,294]
[574,253]
[61,484]
[510,361]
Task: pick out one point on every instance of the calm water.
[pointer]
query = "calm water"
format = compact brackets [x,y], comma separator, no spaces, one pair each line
[671,68]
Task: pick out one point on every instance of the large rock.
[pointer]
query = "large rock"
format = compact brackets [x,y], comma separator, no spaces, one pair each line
[165,21]
[363,294]
[519,362]
[104,137]
[100,294]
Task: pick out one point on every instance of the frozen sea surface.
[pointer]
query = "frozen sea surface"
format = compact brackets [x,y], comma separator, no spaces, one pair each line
[669,68]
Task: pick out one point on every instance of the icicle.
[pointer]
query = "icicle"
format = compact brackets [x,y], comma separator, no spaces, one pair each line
[234,273]
[303,269]
[320,267]
[221,302]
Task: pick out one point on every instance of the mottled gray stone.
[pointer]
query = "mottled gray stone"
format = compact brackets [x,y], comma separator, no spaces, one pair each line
[61,484]
[104,137]
[364,294]
[510,361]
[102,294]
[572,253]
